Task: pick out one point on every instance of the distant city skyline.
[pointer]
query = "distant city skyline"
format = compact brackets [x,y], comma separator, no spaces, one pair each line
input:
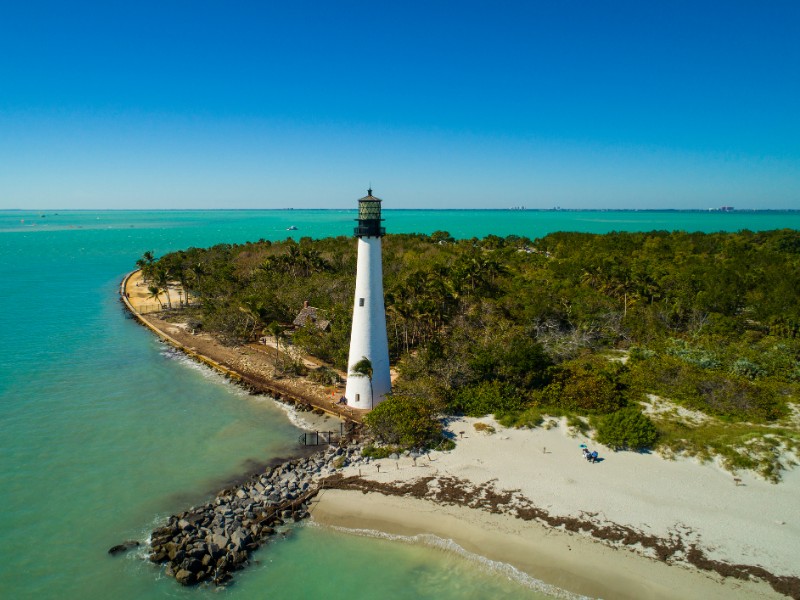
[582,105]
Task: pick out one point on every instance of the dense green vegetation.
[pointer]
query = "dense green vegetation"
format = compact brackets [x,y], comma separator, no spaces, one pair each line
[572,324]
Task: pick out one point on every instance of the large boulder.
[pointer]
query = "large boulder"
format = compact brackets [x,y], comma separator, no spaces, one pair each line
[215,550]
[174,552]
[240,538]
[185,577]
[192,565]
[219,539]
[123,547]
[158,555]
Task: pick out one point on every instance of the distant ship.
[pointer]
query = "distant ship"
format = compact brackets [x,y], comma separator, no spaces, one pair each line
[516,208]
[722,209]
[291,228]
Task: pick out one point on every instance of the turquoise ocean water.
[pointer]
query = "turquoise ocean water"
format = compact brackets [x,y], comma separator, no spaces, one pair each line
[104,431]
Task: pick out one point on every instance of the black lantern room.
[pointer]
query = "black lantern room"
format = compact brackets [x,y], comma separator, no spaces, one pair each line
[369,217]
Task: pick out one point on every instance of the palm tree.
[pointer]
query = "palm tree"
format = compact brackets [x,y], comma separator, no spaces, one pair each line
[155,292]
[363,368]
[276,329]
[162,276]
[253,306]
[146,265]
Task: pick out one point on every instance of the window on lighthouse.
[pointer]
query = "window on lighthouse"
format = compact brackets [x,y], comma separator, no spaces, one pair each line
[361,302]
[358,397]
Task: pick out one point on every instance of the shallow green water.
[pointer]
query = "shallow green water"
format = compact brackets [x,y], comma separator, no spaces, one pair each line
[104,431]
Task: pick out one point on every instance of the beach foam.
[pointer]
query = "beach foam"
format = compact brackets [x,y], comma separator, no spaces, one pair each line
[448,545]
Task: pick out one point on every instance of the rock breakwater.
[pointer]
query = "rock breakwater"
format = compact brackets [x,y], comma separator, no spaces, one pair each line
[209,542]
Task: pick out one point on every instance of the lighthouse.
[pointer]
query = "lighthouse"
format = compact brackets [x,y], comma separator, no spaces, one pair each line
[368,340]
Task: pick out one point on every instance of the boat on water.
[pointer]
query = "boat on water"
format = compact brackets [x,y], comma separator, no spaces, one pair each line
[291,228]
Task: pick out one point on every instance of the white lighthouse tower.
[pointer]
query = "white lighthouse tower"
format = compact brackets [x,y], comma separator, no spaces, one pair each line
[368,336]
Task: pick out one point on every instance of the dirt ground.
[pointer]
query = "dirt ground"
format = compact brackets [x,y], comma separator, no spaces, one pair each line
[254,363]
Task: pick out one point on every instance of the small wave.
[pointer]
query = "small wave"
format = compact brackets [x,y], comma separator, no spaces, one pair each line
[448,545]
[304,421]
[299,420]
[207,372]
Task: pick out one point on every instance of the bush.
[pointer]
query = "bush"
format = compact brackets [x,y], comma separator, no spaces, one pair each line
[406,421]
[638,353]
[747,368]
[692,355]
[626,429]
[324,375]
[372,451]
[715,393]
[484,428]
[487,398]
[584,386]
[530,418]
[577,424]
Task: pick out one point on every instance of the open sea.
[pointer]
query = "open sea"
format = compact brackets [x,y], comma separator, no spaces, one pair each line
[104,431]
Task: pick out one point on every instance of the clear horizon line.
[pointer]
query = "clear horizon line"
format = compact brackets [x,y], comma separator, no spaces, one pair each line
[352,208]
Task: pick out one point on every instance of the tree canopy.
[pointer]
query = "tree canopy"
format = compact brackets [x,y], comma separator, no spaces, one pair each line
[498,325]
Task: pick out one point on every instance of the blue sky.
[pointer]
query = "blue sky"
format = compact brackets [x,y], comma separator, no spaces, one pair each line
[201,104]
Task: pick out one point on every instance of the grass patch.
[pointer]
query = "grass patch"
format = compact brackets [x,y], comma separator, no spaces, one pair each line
[484,428]
[740,446]
[372,451]
[530,418]
[577,425]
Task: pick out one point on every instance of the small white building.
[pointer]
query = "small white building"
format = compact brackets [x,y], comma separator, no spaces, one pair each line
[368,337]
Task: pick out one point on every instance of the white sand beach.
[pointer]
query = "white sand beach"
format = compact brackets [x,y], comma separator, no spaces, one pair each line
[753,523]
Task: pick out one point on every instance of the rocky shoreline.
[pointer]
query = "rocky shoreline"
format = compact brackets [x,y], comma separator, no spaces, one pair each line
[208,543]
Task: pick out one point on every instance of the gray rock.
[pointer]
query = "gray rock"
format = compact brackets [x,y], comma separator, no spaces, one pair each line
[240,538]
[177,555]
[192,565]
[185,577]
[185,525]
[123,547]
[158,555]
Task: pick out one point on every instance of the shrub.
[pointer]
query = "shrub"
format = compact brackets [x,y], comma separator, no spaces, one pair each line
[486,398]
[577,424]
[484,427]
[324,375]
[747,368]
[626,429]
[692,355]
[638,353]
[530,418]
[372,451]
[445,444]
[406,421]
[584,386]
[713,392]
